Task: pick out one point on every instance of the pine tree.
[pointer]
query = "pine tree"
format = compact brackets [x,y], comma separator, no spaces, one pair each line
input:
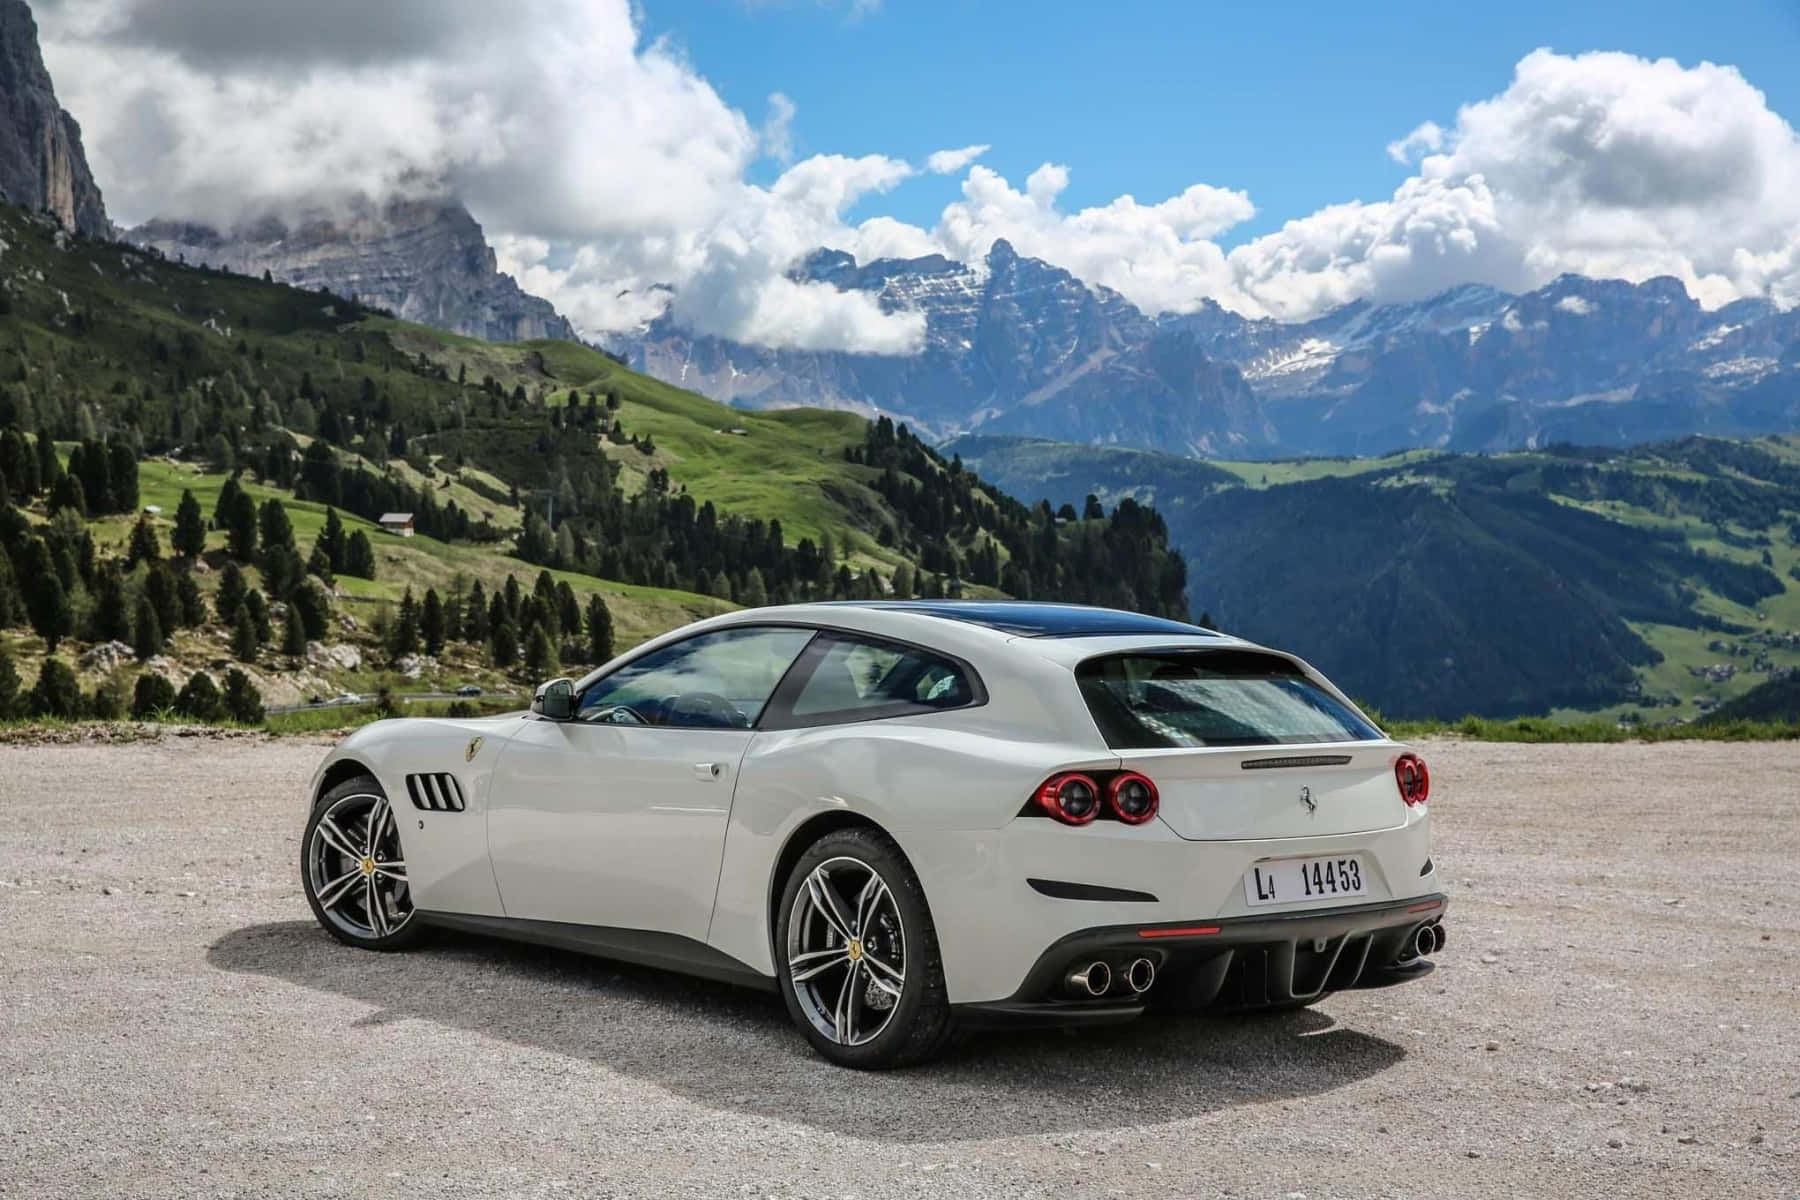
[403,638]
[359,556]
[12,602]
[159,586]
[244,643]
[52,617]
[756,591]
[189,539]
[147,633]
[193,604]
[9,683]
[314,608]
[223,506]
[432,624]
[599,629]
[475,617]
[199,698]
[230,594]
[112,615]
[331,540]
[240,528]
[274,526]
[152,697]
[259,616]
[143,546]
[68,494]
[242,700]
[568,610]
[903,582]
[505,644]
[58,693]
[49,466]
[540,656]
[293,632]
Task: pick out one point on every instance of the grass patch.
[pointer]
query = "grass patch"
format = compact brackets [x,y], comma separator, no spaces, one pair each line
[1547,730]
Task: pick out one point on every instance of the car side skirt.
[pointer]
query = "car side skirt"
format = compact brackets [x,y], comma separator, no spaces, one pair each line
[644,947]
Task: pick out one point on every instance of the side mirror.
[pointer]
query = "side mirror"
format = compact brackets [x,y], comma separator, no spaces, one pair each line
[555,700]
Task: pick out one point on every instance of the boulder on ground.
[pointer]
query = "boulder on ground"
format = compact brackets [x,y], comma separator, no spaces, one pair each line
[338,657]
[107,657]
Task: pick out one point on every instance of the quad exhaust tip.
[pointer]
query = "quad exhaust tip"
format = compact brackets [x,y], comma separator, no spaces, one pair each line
[1424,942]
[1140,975]
[1095,979]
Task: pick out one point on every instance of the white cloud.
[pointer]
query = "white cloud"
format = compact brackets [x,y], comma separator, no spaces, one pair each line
[777,134]
[613,179]
[1579,306]
[1427,136]
[1158,255]
[1604,164]
[949,162]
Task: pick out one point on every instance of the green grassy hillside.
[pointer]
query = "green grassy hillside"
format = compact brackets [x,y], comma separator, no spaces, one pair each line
[127,381]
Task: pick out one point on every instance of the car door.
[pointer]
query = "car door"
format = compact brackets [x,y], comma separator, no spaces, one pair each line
[617,818]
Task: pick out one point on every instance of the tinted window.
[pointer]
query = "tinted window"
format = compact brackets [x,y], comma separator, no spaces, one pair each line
[1212,698]
[857,677]
[714,681]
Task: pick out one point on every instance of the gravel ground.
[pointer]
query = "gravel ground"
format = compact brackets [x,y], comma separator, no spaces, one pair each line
[1615,1016]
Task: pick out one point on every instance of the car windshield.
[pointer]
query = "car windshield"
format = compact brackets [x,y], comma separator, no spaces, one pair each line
[1212,698]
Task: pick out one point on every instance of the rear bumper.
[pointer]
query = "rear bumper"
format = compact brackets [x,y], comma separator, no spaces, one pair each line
[1233,962]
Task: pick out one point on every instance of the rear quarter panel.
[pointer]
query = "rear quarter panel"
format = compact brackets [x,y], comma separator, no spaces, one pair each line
[949,775]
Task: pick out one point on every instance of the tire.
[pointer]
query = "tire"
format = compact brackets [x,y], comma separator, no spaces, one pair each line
[358,892]
[911,1027]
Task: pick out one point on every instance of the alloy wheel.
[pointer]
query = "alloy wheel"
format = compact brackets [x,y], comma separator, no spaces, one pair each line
[846,951]
[354,867]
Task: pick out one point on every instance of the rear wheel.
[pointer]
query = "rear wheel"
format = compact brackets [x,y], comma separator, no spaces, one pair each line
[858,955]
[353,871]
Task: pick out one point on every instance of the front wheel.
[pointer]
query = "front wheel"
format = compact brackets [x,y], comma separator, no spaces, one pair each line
[353,871]
[858,955]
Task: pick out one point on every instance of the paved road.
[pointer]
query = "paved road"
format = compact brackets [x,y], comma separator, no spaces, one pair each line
[1615,1017]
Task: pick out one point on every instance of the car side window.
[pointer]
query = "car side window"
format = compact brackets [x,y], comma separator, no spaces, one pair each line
[717,680]
[859,678]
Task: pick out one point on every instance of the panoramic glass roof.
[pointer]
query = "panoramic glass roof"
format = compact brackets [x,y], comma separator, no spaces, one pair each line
[1028,618]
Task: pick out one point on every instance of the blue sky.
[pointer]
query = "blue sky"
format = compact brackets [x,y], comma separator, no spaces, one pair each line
[1293,103]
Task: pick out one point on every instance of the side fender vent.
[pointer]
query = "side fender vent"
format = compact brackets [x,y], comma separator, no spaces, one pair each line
[436,793]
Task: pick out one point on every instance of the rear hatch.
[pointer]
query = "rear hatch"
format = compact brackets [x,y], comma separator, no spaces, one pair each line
[1243,743]
[1273,792]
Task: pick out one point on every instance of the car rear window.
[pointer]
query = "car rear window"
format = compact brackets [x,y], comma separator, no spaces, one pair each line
[1212,698]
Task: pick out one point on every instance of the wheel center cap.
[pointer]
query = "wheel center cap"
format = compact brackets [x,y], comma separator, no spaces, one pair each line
[368,866]
[855,949]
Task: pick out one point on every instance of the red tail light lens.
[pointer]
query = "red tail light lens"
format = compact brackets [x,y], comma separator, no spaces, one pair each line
[1073,798]
[1413,778]
[1132,798]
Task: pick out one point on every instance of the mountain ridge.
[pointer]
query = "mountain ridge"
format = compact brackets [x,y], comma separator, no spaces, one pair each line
[425,260]
[1018,346]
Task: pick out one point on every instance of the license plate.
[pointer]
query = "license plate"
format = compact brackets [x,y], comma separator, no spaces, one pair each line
[1293,879]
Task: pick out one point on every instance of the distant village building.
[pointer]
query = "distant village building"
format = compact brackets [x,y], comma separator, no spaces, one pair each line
[399,524]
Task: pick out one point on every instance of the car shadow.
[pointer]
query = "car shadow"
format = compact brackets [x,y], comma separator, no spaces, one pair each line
[731,1048]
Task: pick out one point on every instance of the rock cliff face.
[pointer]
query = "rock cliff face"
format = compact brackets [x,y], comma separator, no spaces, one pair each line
[425,260]
[42,165]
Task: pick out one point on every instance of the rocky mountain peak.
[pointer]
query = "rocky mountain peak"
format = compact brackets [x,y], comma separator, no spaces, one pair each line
[42,164]
[425,259]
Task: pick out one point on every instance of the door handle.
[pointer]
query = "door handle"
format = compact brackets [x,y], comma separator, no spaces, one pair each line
[706,772]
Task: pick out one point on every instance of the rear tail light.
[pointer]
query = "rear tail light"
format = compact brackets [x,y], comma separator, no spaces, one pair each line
[1413,778]
[1072,798]
[1132,798]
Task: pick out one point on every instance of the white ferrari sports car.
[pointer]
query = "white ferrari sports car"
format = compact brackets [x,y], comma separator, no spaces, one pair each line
[908,818]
